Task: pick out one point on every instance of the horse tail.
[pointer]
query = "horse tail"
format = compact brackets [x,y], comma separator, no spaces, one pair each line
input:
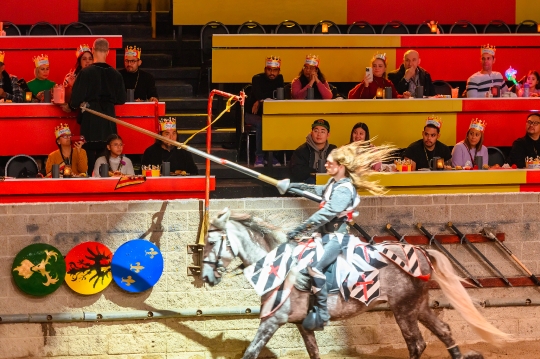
[458,297]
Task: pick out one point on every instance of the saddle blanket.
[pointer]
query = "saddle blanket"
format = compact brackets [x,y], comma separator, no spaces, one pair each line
[356,274]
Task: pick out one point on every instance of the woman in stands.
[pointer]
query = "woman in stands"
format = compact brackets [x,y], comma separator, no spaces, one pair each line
[84,59]
[472,146]
[119,164]
[367,89]
[533,79]
[41,83]
[311,77]
[66,155]
[360,132]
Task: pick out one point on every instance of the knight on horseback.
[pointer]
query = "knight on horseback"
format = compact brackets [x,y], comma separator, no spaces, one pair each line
[347,166]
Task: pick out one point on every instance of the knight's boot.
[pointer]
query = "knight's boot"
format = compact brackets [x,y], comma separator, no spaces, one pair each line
[321,293]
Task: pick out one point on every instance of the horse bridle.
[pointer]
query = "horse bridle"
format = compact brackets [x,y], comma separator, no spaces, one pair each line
[218,264]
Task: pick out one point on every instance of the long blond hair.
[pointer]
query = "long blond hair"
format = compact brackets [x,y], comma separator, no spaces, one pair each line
[357,158]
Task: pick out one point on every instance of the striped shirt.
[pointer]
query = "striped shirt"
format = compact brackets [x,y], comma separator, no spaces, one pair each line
[479,83]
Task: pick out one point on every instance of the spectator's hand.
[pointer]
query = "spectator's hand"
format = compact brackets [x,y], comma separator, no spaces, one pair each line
[65,107]
[409,73]
[70,79]
[315,77]
[40,96]
[368,78]
[153,99]
[78,145]
[406,94]
[255,108]
[138,100]
[534,95]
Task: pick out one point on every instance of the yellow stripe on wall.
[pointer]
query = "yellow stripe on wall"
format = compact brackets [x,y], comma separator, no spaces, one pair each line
[239,65]
[527,10]
[302,41]
[190,12]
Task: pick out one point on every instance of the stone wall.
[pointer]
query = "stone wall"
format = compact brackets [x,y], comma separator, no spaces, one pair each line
[173,225]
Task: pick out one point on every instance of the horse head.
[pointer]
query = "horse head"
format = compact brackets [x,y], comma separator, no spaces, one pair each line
[219,249]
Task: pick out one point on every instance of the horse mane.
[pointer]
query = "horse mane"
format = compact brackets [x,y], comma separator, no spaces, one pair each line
[272,235]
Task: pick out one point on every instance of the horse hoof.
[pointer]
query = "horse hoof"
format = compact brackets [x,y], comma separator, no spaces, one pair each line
[473,355]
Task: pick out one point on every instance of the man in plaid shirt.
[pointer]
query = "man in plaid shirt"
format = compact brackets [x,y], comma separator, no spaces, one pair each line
[9,87]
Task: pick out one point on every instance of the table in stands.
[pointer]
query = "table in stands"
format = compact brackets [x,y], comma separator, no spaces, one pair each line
[454,182]
[101,189]
[29,128]
[398,121]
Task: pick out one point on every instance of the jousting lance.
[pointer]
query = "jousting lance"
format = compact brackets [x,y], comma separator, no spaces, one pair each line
[464,239]
[440,247]
[488,233]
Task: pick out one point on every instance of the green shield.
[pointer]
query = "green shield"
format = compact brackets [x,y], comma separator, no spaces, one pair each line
[39,269]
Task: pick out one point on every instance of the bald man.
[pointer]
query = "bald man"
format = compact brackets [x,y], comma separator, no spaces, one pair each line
[410,75]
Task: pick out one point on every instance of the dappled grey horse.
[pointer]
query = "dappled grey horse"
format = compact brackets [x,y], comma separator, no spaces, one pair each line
[251,239]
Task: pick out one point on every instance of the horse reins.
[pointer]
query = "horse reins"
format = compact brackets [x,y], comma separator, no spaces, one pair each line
[218,264]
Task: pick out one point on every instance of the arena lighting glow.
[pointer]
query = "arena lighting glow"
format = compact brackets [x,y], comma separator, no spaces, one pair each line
[511,75]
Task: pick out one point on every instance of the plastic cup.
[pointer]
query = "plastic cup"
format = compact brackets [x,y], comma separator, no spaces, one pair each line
[455,92]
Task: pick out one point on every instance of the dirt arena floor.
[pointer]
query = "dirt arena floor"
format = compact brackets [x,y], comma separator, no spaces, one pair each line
[514,350]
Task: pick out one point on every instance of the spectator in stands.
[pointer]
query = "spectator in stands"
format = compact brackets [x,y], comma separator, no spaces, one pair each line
[84,59]
[9,86]
[480,83]
[360,132]
[534,84]
[102,87]
[40,83]
[181,160]
[367,89]
[119,164]
[421,151]
[134,78]
[472,146]
[528,145]
[309,76]
[66,155]
[410,75]
[263,86]
[307,158]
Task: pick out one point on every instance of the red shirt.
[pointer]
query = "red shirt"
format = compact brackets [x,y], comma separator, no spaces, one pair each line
[362,92]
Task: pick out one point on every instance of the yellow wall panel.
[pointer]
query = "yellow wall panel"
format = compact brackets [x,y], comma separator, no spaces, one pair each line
[189,12]
[527,10]
[239,65]
[287,132]
[313,40]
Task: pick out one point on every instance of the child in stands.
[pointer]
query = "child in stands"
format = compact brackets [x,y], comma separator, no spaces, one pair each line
[119,164]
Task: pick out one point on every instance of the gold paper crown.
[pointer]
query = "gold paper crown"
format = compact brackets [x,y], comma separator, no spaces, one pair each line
[63,129]
[380,56]
[434,121]
[312,60]
[2,54]
[133,51]
[273,61]
[478,124]
[167,123]
[41,60]
[81,49]
[489,49]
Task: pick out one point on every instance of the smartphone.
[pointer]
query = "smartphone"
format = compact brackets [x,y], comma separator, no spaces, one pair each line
[75,139]
[369,71]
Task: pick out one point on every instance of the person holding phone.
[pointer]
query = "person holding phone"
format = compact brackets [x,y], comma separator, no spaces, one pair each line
[311,77]
[69,153]
[374,79]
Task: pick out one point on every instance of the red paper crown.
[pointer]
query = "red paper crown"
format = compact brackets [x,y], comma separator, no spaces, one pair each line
[41,60]
[168,123]
[61,130]
[312,60]
[81,49]
[2,54]
[488,49]
[478,124]
[133,51]
[434,121]
[273,61]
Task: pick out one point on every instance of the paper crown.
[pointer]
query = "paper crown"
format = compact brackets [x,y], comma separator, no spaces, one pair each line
[63,129]
[478,124]
[273,61]
[167,123]
[82,49]
[488,49]
[41,60]
[312,60]
[380,56]
[434,121]
[2,54]
[133,51]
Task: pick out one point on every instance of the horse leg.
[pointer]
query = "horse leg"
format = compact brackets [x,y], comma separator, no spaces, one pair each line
[407,321]
[266,330]
[310,341]
[442,330]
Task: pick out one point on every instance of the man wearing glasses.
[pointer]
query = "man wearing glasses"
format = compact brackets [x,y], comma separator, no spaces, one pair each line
[141,81]
[528,145]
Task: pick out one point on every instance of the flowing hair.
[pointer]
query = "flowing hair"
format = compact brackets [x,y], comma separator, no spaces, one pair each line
[357,158]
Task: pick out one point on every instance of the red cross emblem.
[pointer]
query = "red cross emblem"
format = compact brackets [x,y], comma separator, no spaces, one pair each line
[274,270]
[364,284]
